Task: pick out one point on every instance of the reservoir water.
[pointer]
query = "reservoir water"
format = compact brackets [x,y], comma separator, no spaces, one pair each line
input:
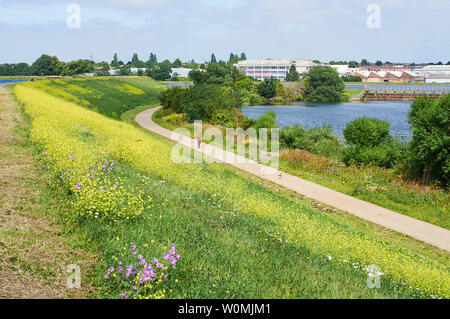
[311,115]
[4,81]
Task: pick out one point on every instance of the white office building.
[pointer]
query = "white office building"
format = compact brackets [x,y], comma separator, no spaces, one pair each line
[265,69]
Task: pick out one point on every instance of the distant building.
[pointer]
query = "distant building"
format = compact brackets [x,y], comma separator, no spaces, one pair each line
[343,69]
[136,70]
[183,72]
[389,76]
[303,66]
[386,68]
[434,73]
[265,69]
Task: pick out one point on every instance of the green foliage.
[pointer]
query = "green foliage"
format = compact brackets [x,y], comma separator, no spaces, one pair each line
[177,63]
[430,127]
[77,67]
[216,73]
[202,101]
[173,99]
[267,120]
[161,71]
[223,117]
[375,155]
[47,65]
[14,69]
[153,59]
[115,62]
[366,131]
[353,64]
[110,96]
[351,78]
[318,140]
[136,63]
[124,70]
[292,75]
[323,84]
[371,143]
[268,88]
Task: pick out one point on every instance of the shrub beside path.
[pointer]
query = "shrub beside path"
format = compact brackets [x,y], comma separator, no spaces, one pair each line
[420,230]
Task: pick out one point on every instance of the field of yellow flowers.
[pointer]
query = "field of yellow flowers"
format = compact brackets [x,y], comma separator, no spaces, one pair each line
[81,147]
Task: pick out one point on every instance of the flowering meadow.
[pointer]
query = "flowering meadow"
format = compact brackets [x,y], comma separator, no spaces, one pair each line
[82,148]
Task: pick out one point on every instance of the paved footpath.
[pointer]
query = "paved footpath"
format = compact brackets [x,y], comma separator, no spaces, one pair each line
[428,233]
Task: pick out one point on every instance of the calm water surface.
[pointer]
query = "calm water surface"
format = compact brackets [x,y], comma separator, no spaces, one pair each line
[311,115]
[4,81]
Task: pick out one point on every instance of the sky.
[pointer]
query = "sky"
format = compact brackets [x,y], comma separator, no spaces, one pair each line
[396,30]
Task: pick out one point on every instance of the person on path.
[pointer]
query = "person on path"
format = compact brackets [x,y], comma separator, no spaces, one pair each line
[199,140]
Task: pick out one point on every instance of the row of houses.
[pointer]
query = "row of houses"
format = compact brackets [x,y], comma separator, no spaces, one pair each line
[390,76]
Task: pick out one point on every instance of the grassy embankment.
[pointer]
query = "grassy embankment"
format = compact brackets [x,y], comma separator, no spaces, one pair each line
[235,237]
[110,96]
[352,94]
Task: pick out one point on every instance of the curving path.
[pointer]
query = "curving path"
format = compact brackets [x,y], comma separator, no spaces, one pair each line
[428,233]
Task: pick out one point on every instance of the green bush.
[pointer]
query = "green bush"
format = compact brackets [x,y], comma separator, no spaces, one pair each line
[323,84]
[369,142]
[224,118]
[173,99]
[202,101]
[267,120]
[374,155]
[430,126]
[268,88]
[318,140]
[366,131]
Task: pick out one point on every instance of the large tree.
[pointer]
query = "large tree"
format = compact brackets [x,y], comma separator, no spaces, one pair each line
[115,61]
[161,71]
[77,67]
[213,58]
[353,64]
[292,75]
[268,88]
[177,63]
[323,84]
[365,62]
[430,145]
[136,63]
[43,65]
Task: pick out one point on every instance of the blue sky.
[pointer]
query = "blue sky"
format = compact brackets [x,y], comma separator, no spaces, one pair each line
[411,30]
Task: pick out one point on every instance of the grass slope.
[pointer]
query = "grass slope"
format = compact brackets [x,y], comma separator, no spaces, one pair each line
[110,96]
[236,238]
